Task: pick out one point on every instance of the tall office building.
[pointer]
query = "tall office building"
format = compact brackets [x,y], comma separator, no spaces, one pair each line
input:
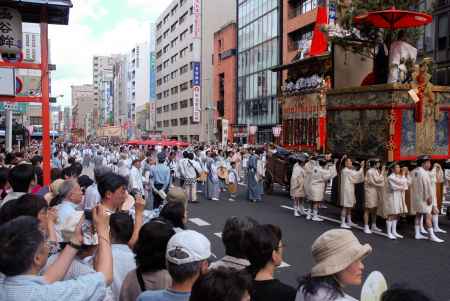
[84,104]
[152,78]
[174,68]
[102,80]
[258,51]
[120,96]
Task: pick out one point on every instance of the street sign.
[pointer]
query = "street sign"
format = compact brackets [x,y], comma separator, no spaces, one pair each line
[7,82]
[16,107]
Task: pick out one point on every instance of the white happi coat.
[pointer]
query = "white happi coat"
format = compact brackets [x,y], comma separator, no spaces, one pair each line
[349,178]
[309,166]
[395,202]
[373,188]
[319,178]
[297,181]
[421,190]
[436,176]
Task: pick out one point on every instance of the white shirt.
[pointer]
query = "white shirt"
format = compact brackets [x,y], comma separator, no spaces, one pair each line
[123,263]
[92,197]
[136,179]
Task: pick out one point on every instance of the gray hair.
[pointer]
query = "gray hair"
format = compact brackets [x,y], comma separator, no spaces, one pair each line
[66,187]
[100,172]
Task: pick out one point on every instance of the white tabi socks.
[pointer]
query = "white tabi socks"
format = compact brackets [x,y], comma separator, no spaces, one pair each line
[422,229]
[375,228]
[316,217]
[343,223]
[394,229]
[433,237]
[367,229]
[435,219]
[418,234]
[389,228]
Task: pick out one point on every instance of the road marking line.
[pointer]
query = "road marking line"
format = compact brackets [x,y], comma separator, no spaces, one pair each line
[199,222]
[339,222]
[218,234]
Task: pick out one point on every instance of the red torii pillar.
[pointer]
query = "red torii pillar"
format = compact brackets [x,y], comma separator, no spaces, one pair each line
[44,99]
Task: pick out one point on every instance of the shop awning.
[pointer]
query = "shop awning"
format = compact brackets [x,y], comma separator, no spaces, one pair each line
[58,10]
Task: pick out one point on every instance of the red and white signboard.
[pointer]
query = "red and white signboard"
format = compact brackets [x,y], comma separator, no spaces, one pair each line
[252,130]
[197,12]
[276,131]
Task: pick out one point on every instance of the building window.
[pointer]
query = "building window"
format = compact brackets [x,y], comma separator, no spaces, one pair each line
[158,124]
[166,108]
[191,47]
[184,69]
[159,68]
[173,75]
[183,104]
[159,40]
[191,28]
[166,78]
[174,26]
[159,82]
[166,18]
[173,59]
[183,52]
[173,43]
[158,54]
[166,123]
[166,48]
[191,10]
[182,2]
[159,110]
[174,10]
[443,33]
[183,121]
[182,18]
[174,90]
[183,35]
[166,93]
[184,86]
[158,27]
[191,102]
[166,64]
[166,33]
[174,122]
[159,96]
[174,106]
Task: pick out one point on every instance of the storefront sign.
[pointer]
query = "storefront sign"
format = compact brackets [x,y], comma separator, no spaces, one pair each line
[276,131]
[196,98]
[225,124]
[10,30]
[252,130]
[197,12]
[197,74]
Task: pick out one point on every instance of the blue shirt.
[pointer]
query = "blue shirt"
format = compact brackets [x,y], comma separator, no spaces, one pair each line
[91,287]
[65,209]
[160,174]
[164,295]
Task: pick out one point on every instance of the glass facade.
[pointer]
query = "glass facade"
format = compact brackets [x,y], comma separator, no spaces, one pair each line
[258,51]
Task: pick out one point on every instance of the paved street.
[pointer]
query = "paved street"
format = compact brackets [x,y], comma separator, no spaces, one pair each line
[420,264]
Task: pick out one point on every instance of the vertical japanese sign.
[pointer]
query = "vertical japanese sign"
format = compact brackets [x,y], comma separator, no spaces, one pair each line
[225,131]
[196,65]
[152,75]
[10,30]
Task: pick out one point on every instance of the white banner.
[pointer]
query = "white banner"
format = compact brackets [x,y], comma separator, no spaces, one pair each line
[224,132]
[196,98]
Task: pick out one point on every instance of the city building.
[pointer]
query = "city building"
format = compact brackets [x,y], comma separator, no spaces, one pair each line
[185,108]
[259,44]
[67,117]
[138,82]
[120,93]
[441,17]
[174,71]
[102,81]
[152,77]
[84,108]
[216,15]
[224,82]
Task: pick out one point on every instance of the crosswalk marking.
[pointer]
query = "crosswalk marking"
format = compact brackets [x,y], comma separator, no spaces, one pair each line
[338,222]
[199,222]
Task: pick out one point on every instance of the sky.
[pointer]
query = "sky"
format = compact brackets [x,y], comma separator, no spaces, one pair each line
[97,27]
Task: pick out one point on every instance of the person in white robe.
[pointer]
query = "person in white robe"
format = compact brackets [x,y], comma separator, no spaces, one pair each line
[321,174]
[422,197]
[395,203]
[373,194]
[349,177]
[297,189]
[136,179]
[436,176]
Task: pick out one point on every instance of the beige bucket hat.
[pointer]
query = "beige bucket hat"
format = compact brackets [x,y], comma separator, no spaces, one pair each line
[335,250]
